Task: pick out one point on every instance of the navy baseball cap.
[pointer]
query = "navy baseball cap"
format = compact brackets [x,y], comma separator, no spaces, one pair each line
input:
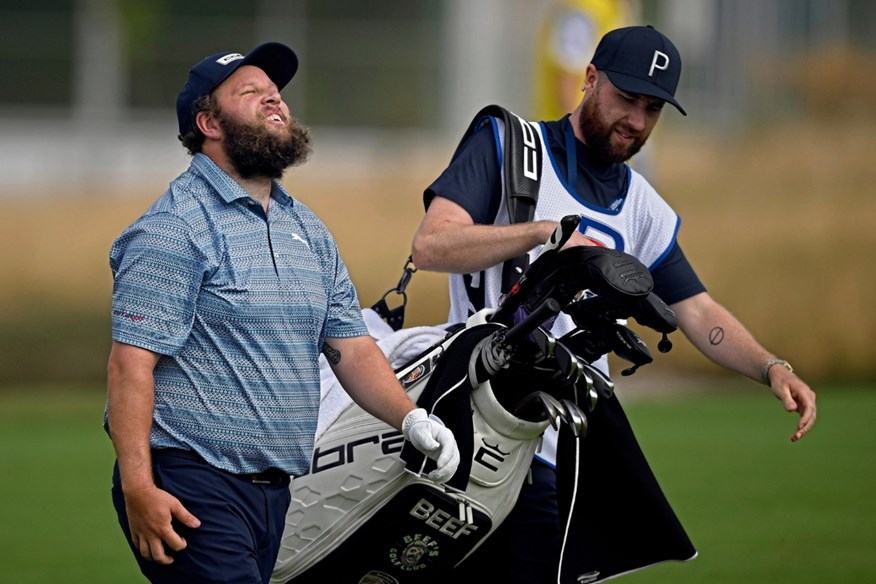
[277,60]
[641,60]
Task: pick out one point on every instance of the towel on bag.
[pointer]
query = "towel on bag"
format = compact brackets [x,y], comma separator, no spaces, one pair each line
[398,346]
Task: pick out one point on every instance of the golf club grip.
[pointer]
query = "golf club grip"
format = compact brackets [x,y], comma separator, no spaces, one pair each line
[546,310]
[510,302]
[561,235]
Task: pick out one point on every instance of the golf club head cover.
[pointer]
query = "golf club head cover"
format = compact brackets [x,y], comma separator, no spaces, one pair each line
[653,313]
[629,346]
[614,275]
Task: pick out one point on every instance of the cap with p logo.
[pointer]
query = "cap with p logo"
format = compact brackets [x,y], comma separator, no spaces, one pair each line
[640,60]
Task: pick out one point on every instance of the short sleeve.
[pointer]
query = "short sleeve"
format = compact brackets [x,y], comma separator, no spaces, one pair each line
[473,179]
[157,272]
[675,279]
[344,314]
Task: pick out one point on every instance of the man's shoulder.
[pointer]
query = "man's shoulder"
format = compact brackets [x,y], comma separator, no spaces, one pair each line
[180,213]
[639,183]
[554,130]
[189,195]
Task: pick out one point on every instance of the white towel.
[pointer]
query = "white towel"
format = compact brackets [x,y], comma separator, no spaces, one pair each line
[399,347]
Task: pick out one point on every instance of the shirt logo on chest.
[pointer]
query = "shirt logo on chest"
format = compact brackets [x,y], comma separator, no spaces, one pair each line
[297,237]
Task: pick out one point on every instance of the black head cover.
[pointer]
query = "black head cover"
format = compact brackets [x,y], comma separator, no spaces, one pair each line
[612,274]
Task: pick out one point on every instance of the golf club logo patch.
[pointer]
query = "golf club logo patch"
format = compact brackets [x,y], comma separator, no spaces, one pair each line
[414,552]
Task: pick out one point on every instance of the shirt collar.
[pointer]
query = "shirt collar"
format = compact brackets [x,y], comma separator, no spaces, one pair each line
[279,194]
[229,189]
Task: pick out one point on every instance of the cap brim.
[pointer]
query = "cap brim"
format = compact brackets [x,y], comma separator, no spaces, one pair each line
[638,86]
[277,60]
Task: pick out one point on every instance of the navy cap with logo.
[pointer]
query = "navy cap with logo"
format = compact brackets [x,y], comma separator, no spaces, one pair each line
[277,60]
[641,60]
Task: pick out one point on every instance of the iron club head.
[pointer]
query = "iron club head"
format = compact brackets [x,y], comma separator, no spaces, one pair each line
[576,418]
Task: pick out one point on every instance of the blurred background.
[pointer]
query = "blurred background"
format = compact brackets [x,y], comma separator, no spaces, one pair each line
[771,172]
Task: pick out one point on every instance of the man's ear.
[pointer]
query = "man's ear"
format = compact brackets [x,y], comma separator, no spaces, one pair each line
[591,77]
[208,125]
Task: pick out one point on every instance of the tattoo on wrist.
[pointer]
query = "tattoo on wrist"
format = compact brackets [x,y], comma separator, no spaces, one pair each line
[332,354]
[716,335]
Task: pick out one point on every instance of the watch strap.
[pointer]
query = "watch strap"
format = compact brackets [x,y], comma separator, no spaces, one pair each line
[765,372]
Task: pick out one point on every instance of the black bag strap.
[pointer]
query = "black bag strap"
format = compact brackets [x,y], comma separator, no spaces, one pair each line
[522,165]
[395,317]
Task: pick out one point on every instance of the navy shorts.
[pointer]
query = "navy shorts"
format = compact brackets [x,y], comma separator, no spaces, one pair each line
[242,521]
[525,548]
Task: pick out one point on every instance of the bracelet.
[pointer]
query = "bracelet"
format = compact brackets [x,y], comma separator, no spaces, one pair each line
[765,372]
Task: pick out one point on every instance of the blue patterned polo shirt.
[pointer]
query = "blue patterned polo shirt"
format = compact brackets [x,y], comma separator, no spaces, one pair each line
[239,304]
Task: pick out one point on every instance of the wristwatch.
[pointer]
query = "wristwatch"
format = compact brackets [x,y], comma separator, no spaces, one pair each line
[765,372]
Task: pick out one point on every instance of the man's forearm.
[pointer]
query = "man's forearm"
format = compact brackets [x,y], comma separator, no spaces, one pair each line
[130,403]
[367,377]
[722,338]
[718,335]
[467,249]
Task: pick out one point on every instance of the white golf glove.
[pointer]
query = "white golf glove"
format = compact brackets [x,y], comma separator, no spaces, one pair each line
[429,435]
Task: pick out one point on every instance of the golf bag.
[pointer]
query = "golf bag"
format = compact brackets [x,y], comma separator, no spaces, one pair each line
[366,513]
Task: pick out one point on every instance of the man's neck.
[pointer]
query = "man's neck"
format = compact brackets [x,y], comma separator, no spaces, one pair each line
[257,187]
[575,120]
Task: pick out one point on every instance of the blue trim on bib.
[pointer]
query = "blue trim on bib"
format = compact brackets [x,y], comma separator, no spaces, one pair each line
[500,151]
[669,247]
[569,189]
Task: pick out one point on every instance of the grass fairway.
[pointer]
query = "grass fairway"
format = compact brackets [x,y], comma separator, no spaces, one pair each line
[759,509]
[58,520]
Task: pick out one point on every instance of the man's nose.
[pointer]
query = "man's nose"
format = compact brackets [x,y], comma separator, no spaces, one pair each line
[637,117]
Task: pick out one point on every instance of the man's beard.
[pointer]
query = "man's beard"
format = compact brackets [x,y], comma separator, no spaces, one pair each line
[598,135]
[255,151]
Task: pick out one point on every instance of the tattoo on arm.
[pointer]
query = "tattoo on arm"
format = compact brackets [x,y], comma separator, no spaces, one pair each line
[332,354]
[716,335]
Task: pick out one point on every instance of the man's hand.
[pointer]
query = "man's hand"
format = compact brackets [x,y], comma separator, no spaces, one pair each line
[428,435]
[150,512]
[796,397]
[579,239]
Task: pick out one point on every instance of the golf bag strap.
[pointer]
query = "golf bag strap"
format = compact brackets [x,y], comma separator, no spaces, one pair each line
[522,168]
[522,165]
[395,317]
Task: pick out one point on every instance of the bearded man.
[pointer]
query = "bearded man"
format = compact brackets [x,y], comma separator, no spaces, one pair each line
[225,293]
[633,73]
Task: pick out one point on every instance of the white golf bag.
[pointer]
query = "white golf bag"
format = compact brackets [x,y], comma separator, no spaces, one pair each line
[360,514]
[365,513]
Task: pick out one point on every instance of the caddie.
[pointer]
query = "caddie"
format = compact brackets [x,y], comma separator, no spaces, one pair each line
[467,232]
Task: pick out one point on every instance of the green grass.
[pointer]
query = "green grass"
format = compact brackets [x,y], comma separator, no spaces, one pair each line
[758,508]
[58,521]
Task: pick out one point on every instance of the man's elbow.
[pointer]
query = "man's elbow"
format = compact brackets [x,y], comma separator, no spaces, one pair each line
[423,254]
